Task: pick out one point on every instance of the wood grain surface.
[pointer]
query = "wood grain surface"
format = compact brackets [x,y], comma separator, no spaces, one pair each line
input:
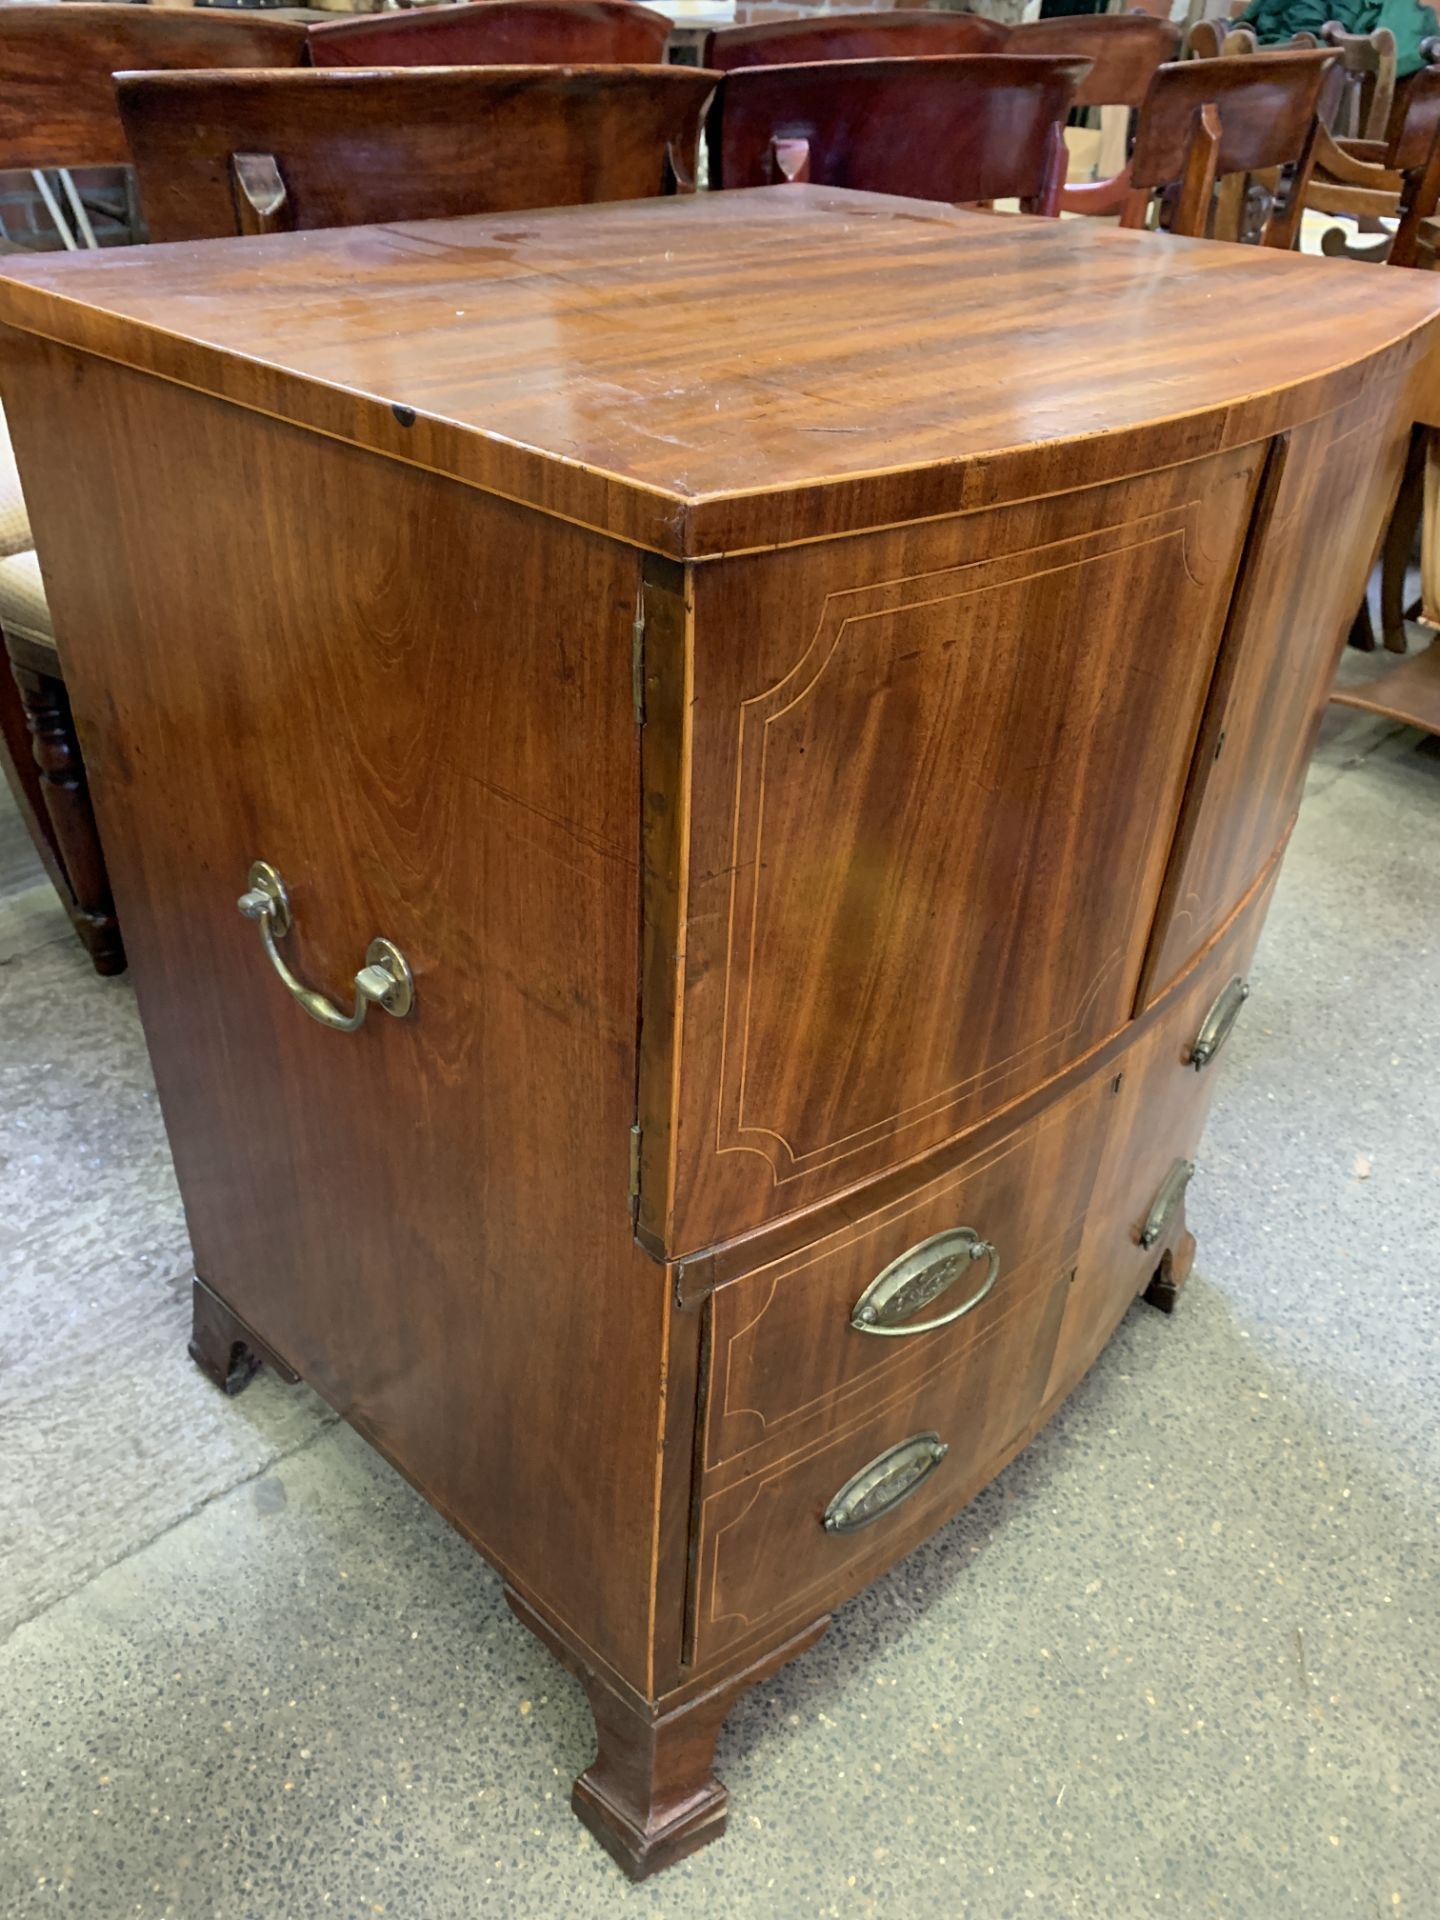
[955,127]
[1155,1119]
[341,148]
[880,881]
[498,33]
[884,33]
[1332,487]
[867,860]
[428,1219]
[594,362]
[783,1355]
[57,101]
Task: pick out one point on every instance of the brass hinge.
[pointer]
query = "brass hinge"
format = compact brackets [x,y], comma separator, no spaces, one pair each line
[635,1168]
[637,659]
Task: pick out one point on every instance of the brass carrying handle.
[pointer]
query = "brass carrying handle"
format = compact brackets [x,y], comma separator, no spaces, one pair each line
[890,1478]
[1172,1187]
[920,1276]
[1215,1027]
[385,980]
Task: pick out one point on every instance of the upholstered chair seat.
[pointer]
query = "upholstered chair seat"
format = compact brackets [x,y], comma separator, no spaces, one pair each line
[24,610]
[14,520]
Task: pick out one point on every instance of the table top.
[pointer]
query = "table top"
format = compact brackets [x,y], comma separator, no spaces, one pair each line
[741,370]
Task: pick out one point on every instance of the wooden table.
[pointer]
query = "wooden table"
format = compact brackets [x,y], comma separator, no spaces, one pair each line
[815,689]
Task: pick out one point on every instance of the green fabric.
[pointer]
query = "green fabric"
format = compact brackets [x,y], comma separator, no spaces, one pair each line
[1277,20]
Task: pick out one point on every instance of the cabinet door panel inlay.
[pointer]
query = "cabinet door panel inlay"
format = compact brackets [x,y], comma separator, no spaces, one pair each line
[891,857]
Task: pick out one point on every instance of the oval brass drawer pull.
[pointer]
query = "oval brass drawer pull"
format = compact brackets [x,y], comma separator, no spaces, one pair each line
[920,1276]
[385,980]
[1215,1027]
[1166,1201]
[890,1478]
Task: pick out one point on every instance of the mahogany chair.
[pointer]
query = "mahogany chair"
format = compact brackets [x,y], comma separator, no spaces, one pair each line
[1396,177]
[58,112]
[1206,121]
[228,153]
[1210,39]
[497,33]
[40,757]
[1124,50]
[853,36]
[962,127]
[1393,177]
[57,98]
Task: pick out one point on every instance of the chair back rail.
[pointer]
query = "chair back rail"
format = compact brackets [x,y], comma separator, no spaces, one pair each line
[1360,88]
[1204,120]
[221,153]
[1414,120]
[497,33]
[853,36]
[1124,50]
[960,127]
[57,96]
[1210,39]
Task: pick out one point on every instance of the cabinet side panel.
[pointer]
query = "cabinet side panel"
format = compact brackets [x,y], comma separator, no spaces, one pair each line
[415,702]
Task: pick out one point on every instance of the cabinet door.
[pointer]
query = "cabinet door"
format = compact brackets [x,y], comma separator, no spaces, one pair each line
[1317,522]
[935,778]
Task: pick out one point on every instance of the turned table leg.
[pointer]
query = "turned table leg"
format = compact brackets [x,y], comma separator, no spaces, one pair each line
[225,1349]
[650,1796]
[66,798]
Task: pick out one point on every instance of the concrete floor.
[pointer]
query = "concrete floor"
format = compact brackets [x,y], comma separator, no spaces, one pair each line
[1179,1660]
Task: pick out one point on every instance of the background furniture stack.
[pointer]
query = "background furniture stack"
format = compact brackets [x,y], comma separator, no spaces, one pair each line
[959,127]
[224,153]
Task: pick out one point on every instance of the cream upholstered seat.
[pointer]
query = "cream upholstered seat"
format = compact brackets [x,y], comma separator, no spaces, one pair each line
[49,778]
[14,520]
[24,610]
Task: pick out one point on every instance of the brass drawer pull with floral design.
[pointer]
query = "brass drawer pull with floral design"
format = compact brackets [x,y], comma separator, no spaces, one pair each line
[890,1478]
[920,1276]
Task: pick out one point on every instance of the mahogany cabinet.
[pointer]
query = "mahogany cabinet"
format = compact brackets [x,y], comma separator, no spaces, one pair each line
[752,736]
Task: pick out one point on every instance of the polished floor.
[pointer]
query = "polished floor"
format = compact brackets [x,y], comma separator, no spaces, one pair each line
[1180,1660]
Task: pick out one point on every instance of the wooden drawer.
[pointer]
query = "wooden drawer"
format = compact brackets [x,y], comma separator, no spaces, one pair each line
[1155,1125]
[784,1352]
[764,1550]
[800,1404]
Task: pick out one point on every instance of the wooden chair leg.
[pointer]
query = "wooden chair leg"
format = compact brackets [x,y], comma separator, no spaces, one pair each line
[650,1796]
[66,799]
[1362,628]
[1399,544]
[22,776]
[1430,534]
